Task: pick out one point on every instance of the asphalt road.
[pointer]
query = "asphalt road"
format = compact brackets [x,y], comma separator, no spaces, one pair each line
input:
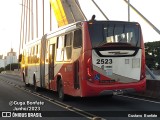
[12,97]
[116,108]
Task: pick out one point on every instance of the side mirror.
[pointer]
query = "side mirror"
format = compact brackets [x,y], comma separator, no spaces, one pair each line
[20,58]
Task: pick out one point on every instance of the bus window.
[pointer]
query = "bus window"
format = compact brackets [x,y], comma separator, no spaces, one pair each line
[104,33]
[33,54]
[77,41]
[68,46]
[60,46]
[123,34]
[29,55]
[47,52]
[36,49]
[108,31]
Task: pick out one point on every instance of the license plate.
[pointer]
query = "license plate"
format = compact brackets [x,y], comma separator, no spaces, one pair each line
[117,92]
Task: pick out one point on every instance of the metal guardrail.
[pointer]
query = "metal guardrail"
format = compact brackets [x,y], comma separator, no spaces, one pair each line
[154,77]
[152,90]
[12,72]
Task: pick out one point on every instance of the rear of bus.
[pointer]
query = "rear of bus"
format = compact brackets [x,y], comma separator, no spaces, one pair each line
[114,58]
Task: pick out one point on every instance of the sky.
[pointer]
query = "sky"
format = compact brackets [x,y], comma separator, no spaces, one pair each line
[118,10]
[10,11]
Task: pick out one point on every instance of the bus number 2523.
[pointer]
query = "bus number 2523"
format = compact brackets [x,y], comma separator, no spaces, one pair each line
[104,61]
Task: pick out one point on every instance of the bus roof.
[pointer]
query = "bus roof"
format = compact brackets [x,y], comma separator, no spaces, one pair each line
[76,25]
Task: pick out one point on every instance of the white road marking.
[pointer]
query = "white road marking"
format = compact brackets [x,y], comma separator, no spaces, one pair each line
[140,99]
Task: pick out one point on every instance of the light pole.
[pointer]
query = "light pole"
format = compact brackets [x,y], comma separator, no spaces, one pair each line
[25,23]
[10,55]
[128,10]
[10,63]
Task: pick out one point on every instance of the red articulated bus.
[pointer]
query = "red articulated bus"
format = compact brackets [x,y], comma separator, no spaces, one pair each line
[87,58]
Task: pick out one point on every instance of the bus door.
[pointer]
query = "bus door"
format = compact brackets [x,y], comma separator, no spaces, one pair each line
[51,62]
[77,45]
[76,75]
[42,61]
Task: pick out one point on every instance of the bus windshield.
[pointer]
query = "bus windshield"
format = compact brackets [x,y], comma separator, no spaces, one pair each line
[102,33]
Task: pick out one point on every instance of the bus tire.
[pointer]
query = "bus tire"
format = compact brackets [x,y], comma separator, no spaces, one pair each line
[61,94]
[36,88]
[24,80]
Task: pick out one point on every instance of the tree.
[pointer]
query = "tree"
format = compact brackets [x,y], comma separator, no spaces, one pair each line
[12,66]
[152,52]
[1,69]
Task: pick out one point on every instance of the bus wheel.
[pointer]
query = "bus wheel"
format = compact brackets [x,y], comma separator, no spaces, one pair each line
[24,80]
[61,94]
[36,88]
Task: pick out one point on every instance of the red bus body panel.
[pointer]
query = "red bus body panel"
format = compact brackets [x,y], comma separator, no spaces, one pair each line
[88,88]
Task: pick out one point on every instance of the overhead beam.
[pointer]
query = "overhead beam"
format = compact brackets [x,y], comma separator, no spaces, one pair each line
[67,11]
[59,12]
[143,17]
[100,9]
